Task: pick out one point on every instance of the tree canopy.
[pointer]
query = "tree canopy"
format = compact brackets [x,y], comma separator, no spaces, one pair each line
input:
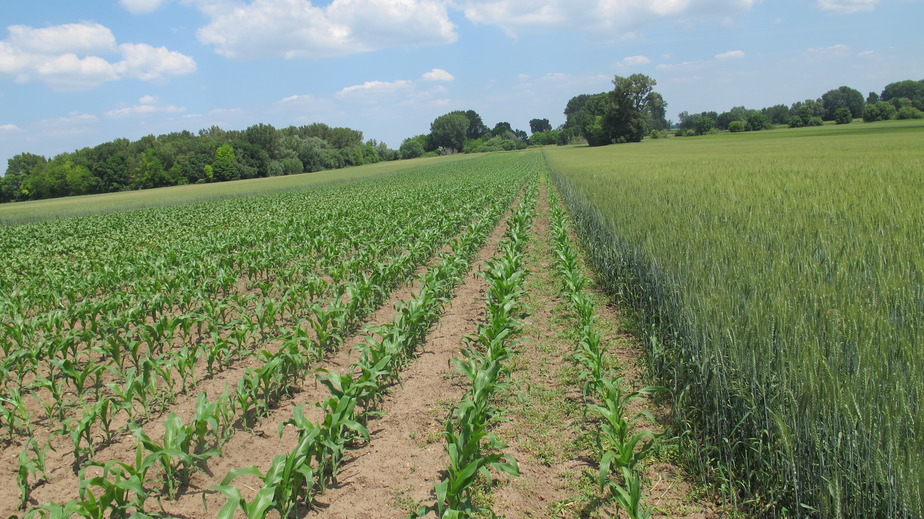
[624,114]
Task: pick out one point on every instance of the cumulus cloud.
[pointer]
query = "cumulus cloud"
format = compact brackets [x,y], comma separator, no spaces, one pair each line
[80,38]
[147,105]
[148,63]
[732,54]
[141,6]
[437,74]
[71,57]
[9,128]
[299,29]
[847,6]
[603,19]
[634,61]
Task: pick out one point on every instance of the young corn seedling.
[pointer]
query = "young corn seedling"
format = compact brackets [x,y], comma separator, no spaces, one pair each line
[338,428]
[14,416]
[176,453]
[120,493]
[629,494]
[31,464]
[81,434]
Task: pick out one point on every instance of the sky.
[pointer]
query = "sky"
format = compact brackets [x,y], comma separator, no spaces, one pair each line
[75,74]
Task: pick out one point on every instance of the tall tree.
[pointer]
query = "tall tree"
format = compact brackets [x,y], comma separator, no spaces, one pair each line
[539,125]
[910,89]
[842,97]
[476,127]
[627,118]
[449,130]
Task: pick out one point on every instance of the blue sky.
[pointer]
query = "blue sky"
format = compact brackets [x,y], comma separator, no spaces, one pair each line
[75,74]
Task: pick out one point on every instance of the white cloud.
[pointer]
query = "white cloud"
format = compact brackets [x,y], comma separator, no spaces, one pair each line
[9,128]
[70,57]
[601,19]
[634,61]
[437,74]
[70,72]
[824,53]
[847,6]
[147,105]
[299,29]
[732,54]
[374,88]
[148,63]
[140,6]
[80,38]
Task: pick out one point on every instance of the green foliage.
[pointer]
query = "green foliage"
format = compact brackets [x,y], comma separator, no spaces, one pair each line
[738,126]
[881,111]
[815,121]
[909,89]
[909,112]
[756,122]
[843,97]
[186,158]
[843,115]
[448,131]
[625,114]
[539,126]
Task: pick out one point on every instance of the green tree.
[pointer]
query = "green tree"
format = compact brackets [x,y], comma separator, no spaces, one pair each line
[657,112]
[842,97]
[629,121]
[18,168]
[413,147]
[737,113]
[756,122]
[539,125]
[476,127]
[448,131]
[225,166]
[738,126]
[777,114]
[881,111]
[913,90]
[575,115]
[808,109]
[843,116]
[150,171]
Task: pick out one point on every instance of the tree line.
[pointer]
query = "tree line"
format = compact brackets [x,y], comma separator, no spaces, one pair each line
[212,155]
[629,112]
[842,105]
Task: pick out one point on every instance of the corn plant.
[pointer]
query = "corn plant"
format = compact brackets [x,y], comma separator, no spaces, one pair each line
[31,464]
[291,476]
[14,416]
[119,491]
[177,453]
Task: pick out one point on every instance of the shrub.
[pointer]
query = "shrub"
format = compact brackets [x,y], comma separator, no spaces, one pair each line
[909,112]
[815,121]
[843,115]
[738,126]
[881,111]
[756,122]
[796,122]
